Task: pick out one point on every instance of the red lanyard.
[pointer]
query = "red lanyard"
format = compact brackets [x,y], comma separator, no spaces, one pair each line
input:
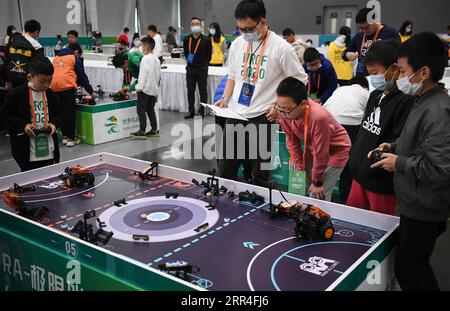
[33,110]
[258,66]
[373,40]
[309,84]
[305,141]
[127,77]
[196,47]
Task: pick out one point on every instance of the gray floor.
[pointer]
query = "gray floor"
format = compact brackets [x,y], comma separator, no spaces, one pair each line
[159,150]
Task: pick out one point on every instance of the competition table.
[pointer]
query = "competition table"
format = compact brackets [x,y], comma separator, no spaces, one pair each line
[238,247]
[173,89]
[98,56]
[100,73]
[108,120]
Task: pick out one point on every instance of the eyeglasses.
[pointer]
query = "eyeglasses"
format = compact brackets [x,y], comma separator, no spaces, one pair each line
[249,29]
[285,112]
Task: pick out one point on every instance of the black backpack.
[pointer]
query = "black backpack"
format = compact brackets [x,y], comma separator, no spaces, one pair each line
[18,55]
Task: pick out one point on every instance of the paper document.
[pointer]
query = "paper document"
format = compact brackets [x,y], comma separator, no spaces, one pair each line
[224,112]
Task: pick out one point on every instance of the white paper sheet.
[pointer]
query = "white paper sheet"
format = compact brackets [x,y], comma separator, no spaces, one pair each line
[224,112]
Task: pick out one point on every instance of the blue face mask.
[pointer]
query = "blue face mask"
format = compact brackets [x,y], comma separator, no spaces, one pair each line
[251,36]
[379,82]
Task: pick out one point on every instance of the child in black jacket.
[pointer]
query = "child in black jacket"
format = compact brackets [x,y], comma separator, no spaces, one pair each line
[386,113]
[30,108]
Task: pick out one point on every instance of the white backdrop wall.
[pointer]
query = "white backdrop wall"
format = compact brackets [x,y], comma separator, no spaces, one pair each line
[162,13]
[114,15]
[52,14]
[9,15]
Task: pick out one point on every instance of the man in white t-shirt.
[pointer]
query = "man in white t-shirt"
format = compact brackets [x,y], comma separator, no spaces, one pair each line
[267,59]
[348,106]
[153,33]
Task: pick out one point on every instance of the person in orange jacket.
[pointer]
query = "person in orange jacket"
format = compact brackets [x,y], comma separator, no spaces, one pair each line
[69,73]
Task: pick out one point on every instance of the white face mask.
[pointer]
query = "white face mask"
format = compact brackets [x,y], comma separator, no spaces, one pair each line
[409,88]
[341,40]
[251,36]
[196,29]
[212,31]
[408,29]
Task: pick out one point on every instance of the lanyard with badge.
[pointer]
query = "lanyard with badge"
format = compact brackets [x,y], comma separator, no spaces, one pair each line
[42,148]
[191,55]
[248,87]
[360,69]
[298,178]
[316,94]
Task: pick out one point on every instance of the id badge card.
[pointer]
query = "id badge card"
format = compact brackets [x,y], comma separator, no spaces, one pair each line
[190,58]
[360,69]
[245,98]
[297,182]
[313,96]
[42,148]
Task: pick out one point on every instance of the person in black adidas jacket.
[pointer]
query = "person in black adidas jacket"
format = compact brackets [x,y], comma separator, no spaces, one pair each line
[386,112]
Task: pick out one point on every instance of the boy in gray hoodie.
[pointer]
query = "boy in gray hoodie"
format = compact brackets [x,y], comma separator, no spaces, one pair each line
[420,158]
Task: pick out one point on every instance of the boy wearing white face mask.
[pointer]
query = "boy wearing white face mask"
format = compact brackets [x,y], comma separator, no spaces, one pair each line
[198,52]
[386,112]
[420,158]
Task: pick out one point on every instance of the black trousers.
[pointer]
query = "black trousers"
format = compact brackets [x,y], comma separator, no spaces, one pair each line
[194,77]
[415,247]
[68,100]
[220,124]
[229,165]
[28,166]
[346,178]
[146,107]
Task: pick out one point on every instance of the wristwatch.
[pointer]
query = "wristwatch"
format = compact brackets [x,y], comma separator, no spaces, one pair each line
[318,184]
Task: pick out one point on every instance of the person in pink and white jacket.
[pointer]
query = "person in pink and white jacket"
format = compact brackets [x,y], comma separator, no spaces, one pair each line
[327,143]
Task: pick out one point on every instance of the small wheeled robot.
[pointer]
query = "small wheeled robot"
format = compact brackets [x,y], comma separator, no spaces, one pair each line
[148,173]
[284,209]
[85,230]
[119,96]
[77,176]
[88,101]
[100,92]
[13,197]
[251,197]
[313,224]
[179,269]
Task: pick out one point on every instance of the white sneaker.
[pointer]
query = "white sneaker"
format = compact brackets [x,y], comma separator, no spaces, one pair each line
[65,140]
[73,143]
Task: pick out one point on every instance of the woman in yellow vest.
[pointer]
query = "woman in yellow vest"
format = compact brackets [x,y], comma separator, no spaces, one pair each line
[406,31]
[344,70]
[218,45]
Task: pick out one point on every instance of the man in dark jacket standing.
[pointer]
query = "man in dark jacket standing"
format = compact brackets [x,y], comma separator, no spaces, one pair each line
[323,80]
[198,52]
[30,107]
[420,158]
[369,34]
[20,50]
